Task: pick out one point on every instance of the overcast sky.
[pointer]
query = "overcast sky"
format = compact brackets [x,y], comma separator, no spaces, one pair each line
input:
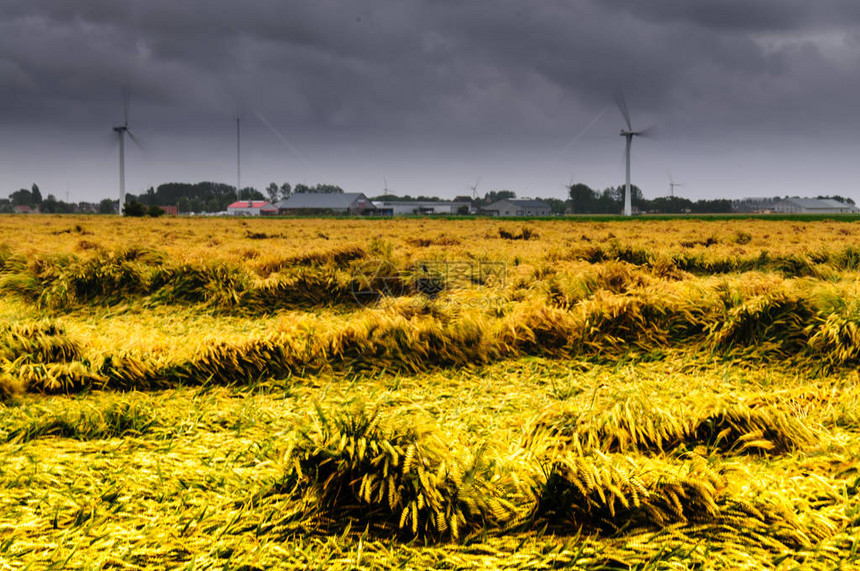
[749,97]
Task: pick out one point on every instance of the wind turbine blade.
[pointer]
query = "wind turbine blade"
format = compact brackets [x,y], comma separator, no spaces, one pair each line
[125,106]
[649,132]
[621,102]
[134,139]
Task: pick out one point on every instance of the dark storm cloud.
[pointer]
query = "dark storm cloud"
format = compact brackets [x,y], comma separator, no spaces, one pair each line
[457,68]
[746,15]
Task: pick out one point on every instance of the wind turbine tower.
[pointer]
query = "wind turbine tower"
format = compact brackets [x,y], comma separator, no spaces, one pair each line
[121,131]
[628,135]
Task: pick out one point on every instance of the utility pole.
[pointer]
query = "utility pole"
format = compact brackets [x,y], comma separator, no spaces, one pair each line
[238,160]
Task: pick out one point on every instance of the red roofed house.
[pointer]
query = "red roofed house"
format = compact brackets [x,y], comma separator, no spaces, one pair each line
[251,208]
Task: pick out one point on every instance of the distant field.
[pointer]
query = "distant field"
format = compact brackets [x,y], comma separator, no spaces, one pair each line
[457,394]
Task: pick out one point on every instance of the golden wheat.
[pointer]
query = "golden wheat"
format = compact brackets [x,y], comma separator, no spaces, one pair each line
[428,393]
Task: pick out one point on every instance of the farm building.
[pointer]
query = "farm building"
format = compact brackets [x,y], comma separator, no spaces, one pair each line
[813,206]
[309,203]
[422,207]
[251,208]
[517,207]
[170,210]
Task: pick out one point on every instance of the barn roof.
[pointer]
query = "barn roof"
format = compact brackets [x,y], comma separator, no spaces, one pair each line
[519,203]
[820,203]
[321,200]
[250,204]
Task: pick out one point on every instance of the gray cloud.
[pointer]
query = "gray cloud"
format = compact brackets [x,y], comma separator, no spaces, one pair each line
[374,73]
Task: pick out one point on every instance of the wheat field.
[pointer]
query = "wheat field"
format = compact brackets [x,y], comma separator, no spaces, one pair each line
[429,394]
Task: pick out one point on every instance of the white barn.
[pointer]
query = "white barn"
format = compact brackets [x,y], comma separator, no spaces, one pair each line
[517,207]
[421,207]
[813,206]
[310,203]
[251,208]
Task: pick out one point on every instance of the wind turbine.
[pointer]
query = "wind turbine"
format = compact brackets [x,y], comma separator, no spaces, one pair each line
[121,131]
[474,188]
[672,185]
[628,135]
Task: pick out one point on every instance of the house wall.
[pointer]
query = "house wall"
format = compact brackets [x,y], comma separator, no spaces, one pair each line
[312,211]
[410,208]
[514,210]
[244,211]
[788,207]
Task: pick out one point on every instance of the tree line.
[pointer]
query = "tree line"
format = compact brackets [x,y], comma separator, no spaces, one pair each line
[33,200]
[216,196]
[210,196]
[585,200]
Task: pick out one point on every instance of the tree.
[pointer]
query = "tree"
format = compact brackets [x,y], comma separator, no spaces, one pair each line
[556,205]
[149,198]
[286,190]
[22,197]
[37,194]
[206,192]
[583,198]
[327,189]
[196,205]
[607,202]
[614,193]
[134,209]
[51,205]
[671,204]
[320,188]
[719,205]
[497,195]
[154,211]
[107,206]
[273,191]
[251,193]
